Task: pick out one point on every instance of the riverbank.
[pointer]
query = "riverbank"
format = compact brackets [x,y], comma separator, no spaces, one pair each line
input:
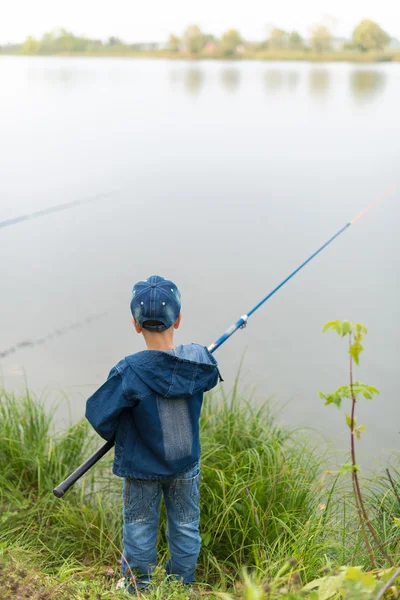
[267,504]
[265,55]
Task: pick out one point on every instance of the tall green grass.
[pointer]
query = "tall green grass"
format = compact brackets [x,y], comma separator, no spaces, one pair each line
[264,495]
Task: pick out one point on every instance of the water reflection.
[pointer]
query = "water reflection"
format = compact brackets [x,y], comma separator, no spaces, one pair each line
[319,81]
[293,78]
[366,84]
[57,76]
[230,79]
[174,76]
[193,80]
[273,79]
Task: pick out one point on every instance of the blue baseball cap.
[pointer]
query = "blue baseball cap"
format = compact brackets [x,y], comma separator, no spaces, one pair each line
[155,299]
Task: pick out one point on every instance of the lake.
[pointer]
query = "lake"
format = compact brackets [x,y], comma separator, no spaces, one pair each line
[223,176]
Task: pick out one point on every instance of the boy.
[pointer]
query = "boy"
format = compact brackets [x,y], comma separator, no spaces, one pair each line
[150,405]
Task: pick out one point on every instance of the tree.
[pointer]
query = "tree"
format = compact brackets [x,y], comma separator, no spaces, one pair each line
[65,41]
[114,41]
[278,39]
[47,42]
[174,43]
[62,41]
[368,35]
[230,40]
[194,39]
[30,45]
[210,37]
[320,38]
[295,41]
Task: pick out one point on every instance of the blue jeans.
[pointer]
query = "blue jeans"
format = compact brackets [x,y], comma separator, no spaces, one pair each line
[141,500]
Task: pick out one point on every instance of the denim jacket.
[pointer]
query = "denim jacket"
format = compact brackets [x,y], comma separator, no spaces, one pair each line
[150,405]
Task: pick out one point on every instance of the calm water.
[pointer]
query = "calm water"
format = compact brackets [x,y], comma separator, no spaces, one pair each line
[223,177]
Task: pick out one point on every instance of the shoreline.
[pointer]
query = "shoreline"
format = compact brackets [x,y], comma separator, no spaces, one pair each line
[294,56]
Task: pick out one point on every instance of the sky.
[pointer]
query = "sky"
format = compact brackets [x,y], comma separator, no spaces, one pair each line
[154,20]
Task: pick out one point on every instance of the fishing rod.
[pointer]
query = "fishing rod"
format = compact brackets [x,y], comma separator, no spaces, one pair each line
[60,490]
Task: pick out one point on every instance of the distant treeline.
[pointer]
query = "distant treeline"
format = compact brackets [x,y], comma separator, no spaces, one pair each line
[368,42]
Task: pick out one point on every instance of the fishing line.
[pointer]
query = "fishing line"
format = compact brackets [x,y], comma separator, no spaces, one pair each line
[54,209]
[51,336]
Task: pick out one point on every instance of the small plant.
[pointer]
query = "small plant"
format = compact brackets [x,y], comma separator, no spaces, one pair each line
[352,582]
[355,389]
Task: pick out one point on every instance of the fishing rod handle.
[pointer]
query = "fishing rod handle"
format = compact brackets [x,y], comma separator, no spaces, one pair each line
[240,324]
[64,486]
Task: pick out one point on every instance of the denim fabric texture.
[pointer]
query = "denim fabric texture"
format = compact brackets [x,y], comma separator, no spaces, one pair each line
[155,299]
[150,406]
[141,501]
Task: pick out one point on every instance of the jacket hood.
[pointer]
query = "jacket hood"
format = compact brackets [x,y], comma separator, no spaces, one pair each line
[177,373]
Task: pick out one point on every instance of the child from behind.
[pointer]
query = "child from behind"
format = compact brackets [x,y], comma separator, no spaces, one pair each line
[150,406]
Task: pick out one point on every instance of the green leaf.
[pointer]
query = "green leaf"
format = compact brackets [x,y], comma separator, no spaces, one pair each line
[355,350]
[346,328]
[359,430]
[326,583]
[361,388]
[337,401]
[350,421]
[330,586]
[332,325]
[338,327]
[313,584]
[366,580]
[343,391]
[333,399]
[348,467]
[345,469]
[353,573]
[358,337]
[347,391]
[373,390]
[360,328]
[206,539]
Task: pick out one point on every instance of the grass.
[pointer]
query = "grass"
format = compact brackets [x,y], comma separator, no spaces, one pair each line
[265,499]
